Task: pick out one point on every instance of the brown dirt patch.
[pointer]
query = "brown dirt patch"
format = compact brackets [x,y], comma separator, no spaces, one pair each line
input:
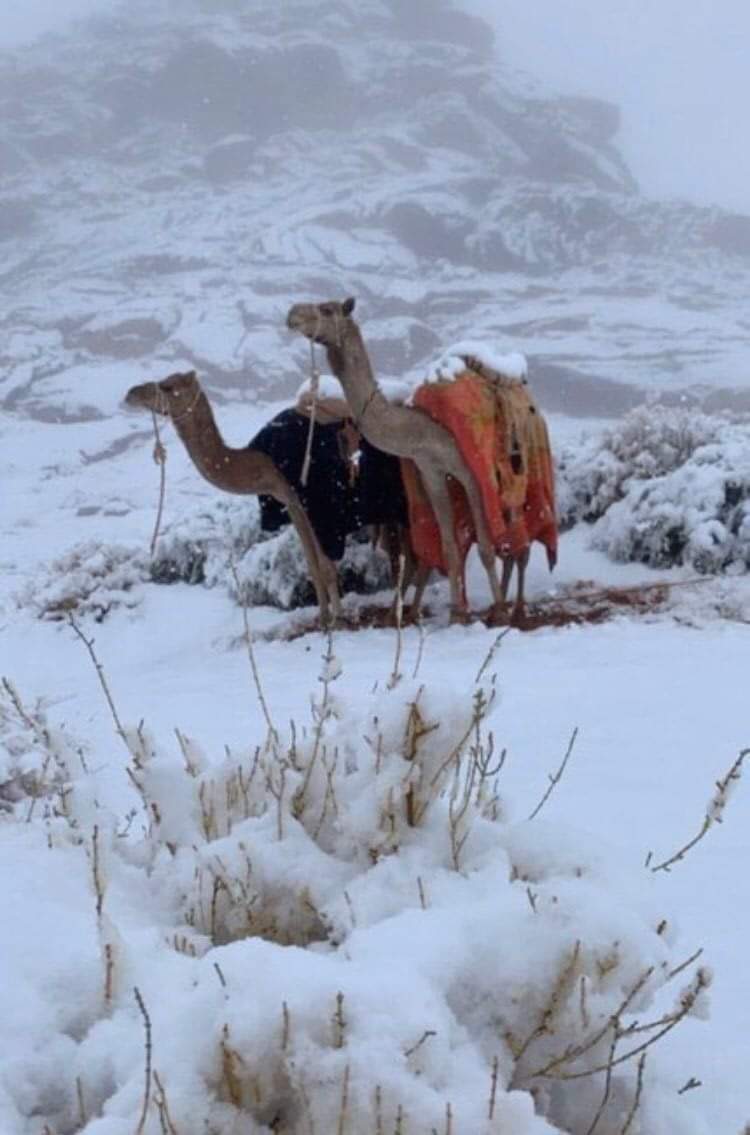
[581,605]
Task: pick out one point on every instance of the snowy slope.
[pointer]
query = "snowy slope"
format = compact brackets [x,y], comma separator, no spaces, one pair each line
[169,185]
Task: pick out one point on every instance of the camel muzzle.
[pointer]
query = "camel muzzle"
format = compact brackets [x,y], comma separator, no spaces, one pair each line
[303,318]
[143,397]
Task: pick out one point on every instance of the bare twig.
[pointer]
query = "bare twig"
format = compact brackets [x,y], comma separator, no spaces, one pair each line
[493,1087]
[688,999]
[344,1109]
[147,1084]
[554,1002]
[339,1022]
[378,1110]
[714,812]
[273,736]
[420,647]
[96,872]
[89,644]
[684,965]
[491,652]
[574,1052]
[321,713]
[160,1099]
[553,780]
[425,1036]
[607,1083]
[637,1099]
[82,1120]
[109,970]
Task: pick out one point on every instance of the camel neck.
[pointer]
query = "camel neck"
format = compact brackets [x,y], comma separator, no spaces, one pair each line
[350,363]
[223,466]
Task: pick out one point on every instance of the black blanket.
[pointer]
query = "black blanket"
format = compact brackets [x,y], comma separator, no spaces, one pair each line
[334,506]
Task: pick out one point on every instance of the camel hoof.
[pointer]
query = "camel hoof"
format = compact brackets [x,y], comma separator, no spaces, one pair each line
[518,617]
[460,618]
[497,616]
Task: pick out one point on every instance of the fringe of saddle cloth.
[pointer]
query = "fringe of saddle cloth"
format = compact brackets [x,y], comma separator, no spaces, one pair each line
[503,439]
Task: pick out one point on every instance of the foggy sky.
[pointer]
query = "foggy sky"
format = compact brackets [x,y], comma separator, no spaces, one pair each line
[677,68]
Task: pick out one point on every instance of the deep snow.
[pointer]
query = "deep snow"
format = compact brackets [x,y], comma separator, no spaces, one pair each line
[660,703]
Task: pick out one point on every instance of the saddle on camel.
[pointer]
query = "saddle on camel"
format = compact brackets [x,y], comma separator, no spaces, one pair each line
[503,438]
[350,484]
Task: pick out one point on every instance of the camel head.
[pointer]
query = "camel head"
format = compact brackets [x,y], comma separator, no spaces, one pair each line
[324,323]
[173,397]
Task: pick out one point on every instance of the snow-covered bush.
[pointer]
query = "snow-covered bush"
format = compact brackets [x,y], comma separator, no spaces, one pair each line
[91,579]
[666,486]
[271,569]
[339,931]
[95,578]
[196,547]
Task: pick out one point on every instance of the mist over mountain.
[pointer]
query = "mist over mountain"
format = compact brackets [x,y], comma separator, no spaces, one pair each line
[173,176]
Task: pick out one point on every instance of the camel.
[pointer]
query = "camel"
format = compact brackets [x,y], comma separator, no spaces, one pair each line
[404,432]
[245,471]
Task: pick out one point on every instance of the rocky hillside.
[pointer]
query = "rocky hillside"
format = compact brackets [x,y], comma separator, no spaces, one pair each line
[171,178]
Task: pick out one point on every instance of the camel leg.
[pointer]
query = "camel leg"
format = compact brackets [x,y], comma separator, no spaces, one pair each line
[400,549]
[487,552]
[313,552]
[436,487]
[330,576]
[421,575]
[508,563]
[519,607]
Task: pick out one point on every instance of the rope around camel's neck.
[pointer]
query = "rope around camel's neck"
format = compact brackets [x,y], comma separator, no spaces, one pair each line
[314,388]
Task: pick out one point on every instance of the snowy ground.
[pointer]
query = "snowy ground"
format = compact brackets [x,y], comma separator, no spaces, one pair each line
[660,703]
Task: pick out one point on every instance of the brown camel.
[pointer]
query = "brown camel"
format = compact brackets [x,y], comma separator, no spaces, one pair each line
[405,432]
[245,471]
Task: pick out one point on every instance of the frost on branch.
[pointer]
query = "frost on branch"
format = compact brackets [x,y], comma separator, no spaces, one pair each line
[665,486]
[338,930]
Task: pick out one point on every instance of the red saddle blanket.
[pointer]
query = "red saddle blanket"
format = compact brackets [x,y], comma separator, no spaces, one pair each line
[503,439]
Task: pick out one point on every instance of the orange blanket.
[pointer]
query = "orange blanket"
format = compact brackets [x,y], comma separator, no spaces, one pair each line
[503,439]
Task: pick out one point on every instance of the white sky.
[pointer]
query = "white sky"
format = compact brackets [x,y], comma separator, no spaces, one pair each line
[678,69]
[23,20]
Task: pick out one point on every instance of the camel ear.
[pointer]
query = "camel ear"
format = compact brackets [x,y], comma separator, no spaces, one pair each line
[348,305]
